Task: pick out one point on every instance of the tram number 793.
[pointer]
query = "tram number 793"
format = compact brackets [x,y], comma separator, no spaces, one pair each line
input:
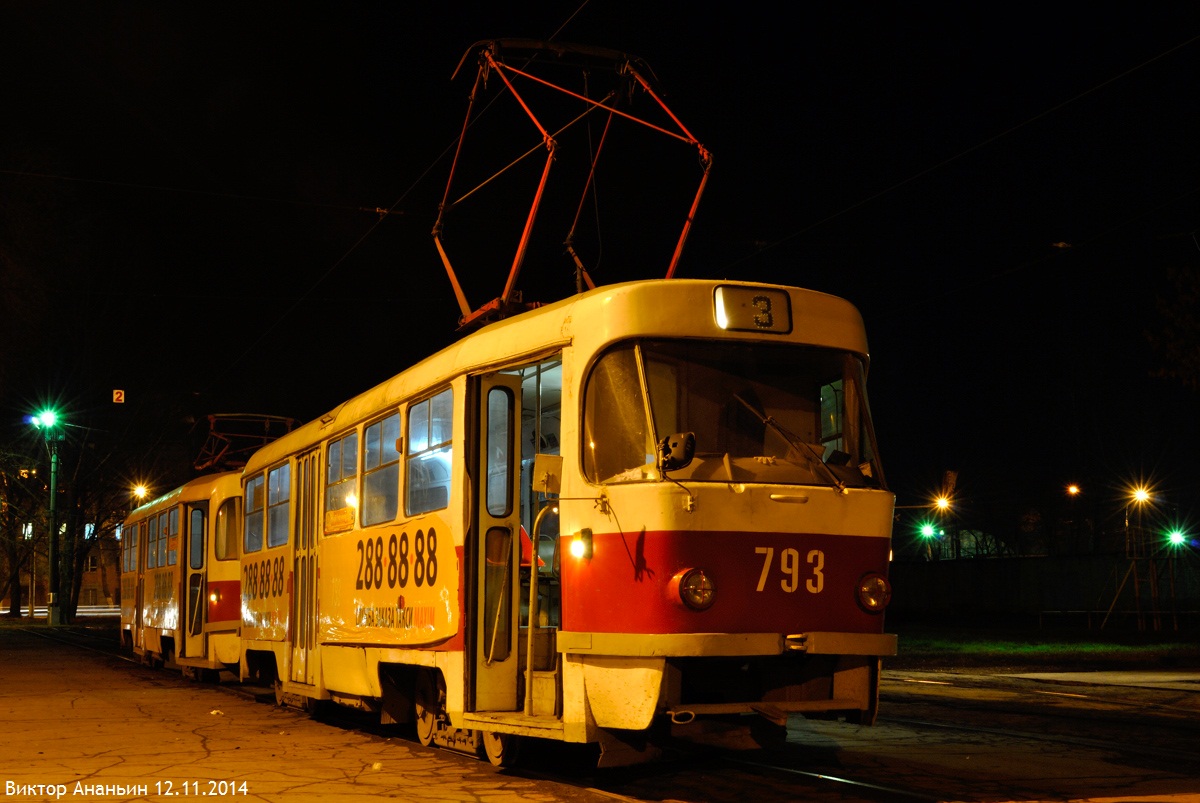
[811,570]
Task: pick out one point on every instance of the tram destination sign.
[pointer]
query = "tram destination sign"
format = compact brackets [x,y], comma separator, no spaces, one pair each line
[752,309]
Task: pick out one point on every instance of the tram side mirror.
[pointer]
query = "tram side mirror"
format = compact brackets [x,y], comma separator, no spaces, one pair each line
[676,451]
[547,473]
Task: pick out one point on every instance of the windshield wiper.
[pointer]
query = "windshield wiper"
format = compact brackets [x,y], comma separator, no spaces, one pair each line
[794,441]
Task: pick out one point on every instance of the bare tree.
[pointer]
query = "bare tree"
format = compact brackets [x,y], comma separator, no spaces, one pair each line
[21,525]
[1177,338]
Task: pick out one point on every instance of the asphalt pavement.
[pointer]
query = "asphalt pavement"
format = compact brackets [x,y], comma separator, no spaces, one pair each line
[95,727]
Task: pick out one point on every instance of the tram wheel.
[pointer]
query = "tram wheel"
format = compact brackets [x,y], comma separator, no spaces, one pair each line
[279,701]
[428,699]
[501,749]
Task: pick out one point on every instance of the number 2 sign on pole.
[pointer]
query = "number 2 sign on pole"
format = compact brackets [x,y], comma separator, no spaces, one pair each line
[118,397]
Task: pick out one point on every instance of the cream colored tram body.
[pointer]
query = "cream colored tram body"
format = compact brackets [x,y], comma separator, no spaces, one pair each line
[652,510]
[180,589]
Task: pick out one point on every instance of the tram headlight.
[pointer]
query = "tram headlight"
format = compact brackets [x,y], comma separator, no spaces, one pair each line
[874,592]
[695,588]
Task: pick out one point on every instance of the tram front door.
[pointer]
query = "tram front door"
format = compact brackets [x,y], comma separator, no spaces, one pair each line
[498,526]
[195,598]
[304,570]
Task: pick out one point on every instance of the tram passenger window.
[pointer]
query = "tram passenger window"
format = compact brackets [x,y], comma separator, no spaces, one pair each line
[254,514]
[152,543]
[429,453]
[341,483]
[279,493]
[168,537]
[225,534]
[381,471]
[125,537]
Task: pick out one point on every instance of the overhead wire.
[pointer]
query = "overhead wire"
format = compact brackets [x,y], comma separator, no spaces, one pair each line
[961,154]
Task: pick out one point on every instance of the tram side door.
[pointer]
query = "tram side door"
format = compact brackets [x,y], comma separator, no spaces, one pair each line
[304,568]
[498,527]
[139,584]
[194,598]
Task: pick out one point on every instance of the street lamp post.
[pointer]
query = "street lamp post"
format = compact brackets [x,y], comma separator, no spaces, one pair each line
[46,421]
[928,533]
[53,607]
[1135,551]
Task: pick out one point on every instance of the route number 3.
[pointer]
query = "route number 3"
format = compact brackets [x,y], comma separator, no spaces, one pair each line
[791,567]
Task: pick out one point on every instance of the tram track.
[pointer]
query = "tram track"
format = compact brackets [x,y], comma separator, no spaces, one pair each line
[1167,754]
[731,777]
[1173,709]
[868,788]
[1147,725]
[107,643]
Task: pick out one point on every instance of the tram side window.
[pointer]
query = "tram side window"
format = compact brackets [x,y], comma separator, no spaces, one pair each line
[341,483]
[168,538]
[381,471]
[131,547]
[254,514]
[427,475]
[279,496]
[225,535]
[152,542]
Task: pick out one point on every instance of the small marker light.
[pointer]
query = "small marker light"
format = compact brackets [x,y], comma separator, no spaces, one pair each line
[581,544]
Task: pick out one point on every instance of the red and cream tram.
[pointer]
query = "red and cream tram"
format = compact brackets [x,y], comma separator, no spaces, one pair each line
[653,509]
[180,596]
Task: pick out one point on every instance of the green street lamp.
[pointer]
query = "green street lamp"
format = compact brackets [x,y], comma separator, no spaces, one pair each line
[46,421]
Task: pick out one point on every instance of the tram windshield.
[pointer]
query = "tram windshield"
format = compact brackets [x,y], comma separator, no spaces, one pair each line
[793,415]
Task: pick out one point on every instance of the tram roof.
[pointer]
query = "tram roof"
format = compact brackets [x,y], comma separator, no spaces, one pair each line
[193,490]
[589,321]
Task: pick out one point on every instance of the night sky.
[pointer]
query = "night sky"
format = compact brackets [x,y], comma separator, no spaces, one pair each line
[186,196]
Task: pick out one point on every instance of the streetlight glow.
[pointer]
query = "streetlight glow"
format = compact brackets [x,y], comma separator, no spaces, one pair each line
[45,419]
